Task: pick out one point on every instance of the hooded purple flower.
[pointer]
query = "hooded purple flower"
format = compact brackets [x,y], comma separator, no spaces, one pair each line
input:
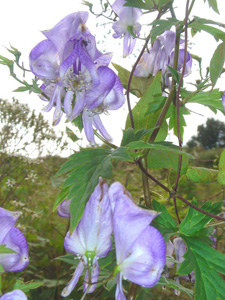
[63,210]
[14,295]
[13,238]
[140,248]
[75,75]
[160,55]
[127,25]
[91,239]
[223,101]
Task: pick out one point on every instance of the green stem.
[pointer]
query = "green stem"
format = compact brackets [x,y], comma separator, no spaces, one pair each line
[105,141]
[132,292]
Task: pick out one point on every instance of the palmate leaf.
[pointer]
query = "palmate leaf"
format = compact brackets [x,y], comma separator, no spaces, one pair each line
[203,175]
[84,169]
[27,286]
[212,99]
[207,264]
[195,221]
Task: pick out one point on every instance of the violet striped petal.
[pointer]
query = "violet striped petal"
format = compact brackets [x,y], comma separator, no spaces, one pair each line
[7,221]
[63,210]
[99,126]
[119,288]
[146,259]
[14,295]
[44,60]
[129,220]
[87,124]
[94,277]
[16,241]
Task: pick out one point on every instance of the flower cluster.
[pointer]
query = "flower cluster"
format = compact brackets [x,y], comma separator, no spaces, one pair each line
[160,56]
[140,248]
[13,238]
[75,74]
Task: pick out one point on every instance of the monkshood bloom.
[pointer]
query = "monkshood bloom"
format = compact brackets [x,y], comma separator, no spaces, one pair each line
[223,101]
[14,295]
[140,248]
[13,238]
[127,25]
[76,77]
[63,210]
[91,239]
[160,55]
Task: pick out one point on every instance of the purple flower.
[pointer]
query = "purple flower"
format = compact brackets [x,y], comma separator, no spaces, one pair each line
[14,295]
[127,25]
[63,210]
[91,239]
[76,77]
[140,248]
[160,55]
[223,101]
[13,238]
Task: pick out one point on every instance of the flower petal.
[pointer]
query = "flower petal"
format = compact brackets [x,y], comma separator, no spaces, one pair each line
[94,277]
[129,220]
[14,295]
[99,126]
[44,60]
[63,210]
[87,123]
[16,241]
[119,288]
[7,221]
[71,285]
[146,259]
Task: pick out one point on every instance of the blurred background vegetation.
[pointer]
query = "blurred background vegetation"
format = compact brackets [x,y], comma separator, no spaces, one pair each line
[29,185]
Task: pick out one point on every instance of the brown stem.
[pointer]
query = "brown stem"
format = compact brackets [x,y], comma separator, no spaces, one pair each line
[171,193]
[132,292]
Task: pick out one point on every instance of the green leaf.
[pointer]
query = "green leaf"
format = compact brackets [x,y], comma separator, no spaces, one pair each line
[166,282]
[138,86]
[163,146]
[174,73]
[221,174]
[85,168]
[160,26]
[207,264]
[78,122]
[5,250]
[140,120]
[22,89]
[164,159]
[129,135]
[27,286]
[164,222]
[69,259]
[213,4]
[217,62]
[207,21]
[211,99]
[71,134]
[172,113]
[156,105]
[203,175]
[216,33]
[147,4]
[195,221]
[1,271]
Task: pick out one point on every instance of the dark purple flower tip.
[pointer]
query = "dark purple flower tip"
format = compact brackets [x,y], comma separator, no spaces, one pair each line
[14,295]
[63,210]
[16,241]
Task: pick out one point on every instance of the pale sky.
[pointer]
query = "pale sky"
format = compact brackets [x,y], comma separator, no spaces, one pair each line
[21,23]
